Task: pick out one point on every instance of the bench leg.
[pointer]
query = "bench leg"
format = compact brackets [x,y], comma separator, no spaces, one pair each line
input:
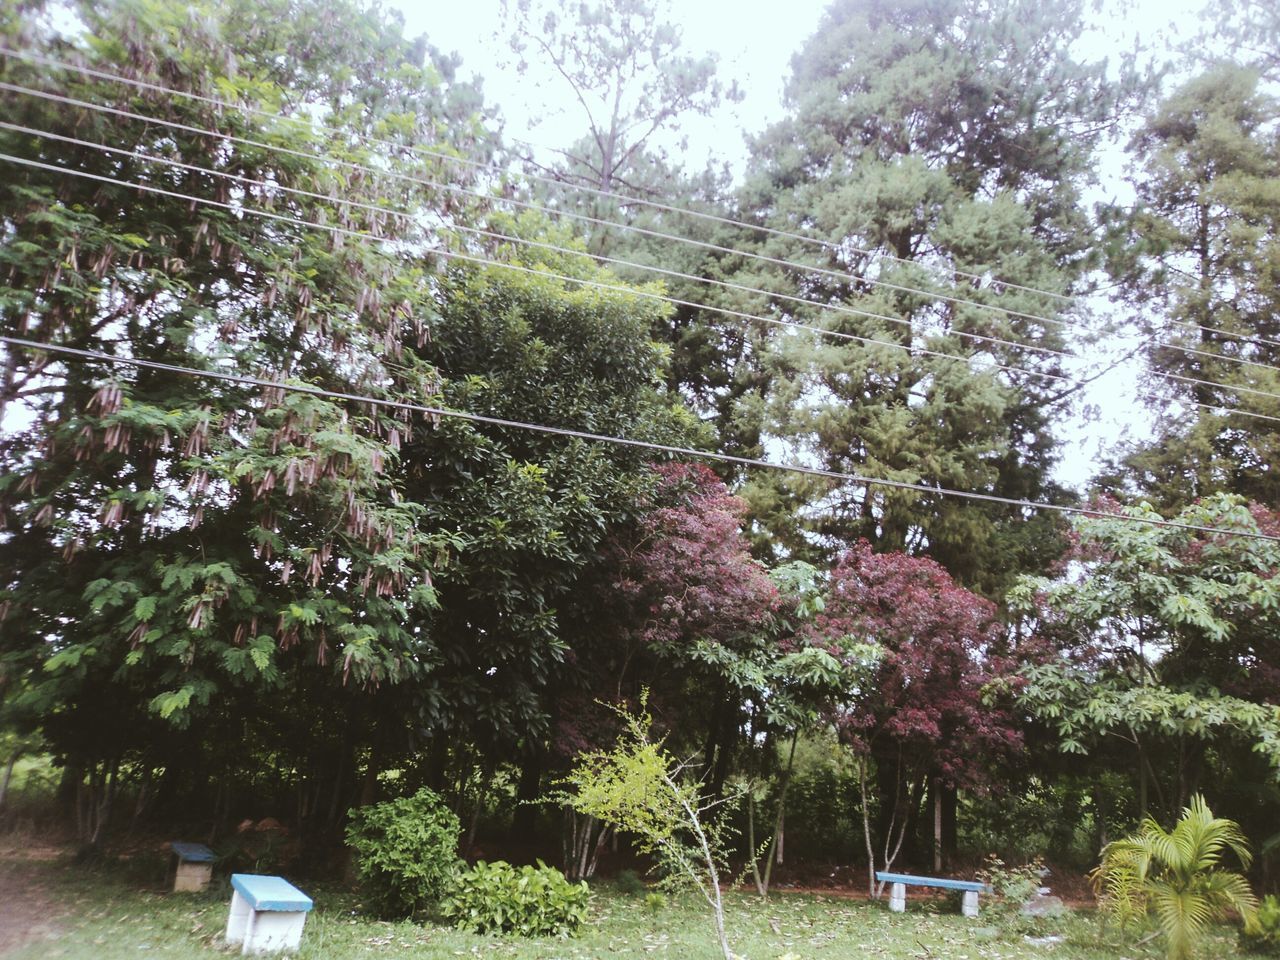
[898,897]
[274,931]
[969,903]
[191,877]
[238,919]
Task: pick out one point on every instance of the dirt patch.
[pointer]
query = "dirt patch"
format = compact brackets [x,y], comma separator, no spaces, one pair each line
[28,911]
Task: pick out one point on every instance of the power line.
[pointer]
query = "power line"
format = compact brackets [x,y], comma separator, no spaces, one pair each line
[840,308]
[495,235]
[476,164]
[843,275]
[627,291]
[450,254]
[395,175]
[670,449]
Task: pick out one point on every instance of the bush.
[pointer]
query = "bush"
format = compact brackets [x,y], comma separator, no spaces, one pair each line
[629,883]
[1264,938]
[407,850]
[531,901]
[1011,887]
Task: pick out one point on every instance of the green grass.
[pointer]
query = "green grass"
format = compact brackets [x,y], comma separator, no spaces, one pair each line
[119,911]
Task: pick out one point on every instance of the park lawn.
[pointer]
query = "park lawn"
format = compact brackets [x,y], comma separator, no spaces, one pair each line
[116,911]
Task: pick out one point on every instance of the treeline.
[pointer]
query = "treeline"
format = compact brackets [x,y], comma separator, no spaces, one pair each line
[281,538]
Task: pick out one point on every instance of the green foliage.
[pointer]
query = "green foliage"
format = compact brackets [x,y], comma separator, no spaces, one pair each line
[528,901]
[903,153]
[1177,876]
[407,852]
[1264,937]
[1011,886]
[629,882]
[1198,269]
[637,787]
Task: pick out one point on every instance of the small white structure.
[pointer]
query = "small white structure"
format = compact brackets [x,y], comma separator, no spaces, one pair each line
[193,866]
[267,913]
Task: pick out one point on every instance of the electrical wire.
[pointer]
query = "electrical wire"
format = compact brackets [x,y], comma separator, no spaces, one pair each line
[450,254]
[670,449]
[859,278]
[476,164]
[395,175]
[508,238]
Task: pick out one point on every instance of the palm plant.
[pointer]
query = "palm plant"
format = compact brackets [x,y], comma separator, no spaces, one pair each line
[1177,875]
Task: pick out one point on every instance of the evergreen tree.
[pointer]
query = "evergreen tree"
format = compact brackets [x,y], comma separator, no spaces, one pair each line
[1202,273]
[935,146]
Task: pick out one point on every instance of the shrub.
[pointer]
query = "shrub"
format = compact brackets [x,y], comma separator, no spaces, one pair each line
[1011,887]
[407,850]
[1264,937]
[1177,875]
[628,882]
[529,901]
[655,902]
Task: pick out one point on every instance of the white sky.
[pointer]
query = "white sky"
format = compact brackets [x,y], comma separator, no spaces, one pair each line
[755,41]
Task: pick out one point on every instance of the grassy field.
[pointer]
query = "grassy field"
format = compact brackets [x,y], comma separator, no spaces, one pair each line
[120,910]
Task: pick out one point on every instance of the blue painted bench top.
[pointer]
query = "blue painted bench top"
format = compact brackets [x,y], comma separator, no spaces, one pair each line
[945,884]
[193,852]
[270,893]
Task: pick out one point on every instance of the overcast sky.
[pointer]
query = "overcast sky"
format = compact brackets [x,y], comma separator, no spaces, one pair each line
[755,41]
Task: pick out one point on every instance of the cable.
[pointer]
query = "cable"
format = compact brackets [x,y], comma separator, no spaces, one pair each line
[477,231]
[425,151]
[630,291]
[127,114]
[626,227]
[441,155]
[623,441]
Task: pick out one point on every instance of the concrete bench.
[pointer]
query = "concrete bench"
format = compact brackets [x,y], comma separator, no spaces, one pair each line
[267,913]
[193,866]
[900,881]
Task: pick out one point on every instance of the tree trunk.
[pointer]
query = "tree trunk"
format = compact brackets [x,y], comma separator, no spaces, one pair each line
[8,775]
[529,789]
[936,791]
[950,825]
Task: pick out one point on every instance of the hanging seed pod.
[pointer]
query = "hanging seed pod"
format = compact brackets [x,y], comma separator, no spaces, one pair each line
[113,513]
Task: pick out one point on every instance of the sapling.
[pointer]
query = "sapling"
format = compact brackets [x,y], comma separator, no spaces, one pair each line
[640,789]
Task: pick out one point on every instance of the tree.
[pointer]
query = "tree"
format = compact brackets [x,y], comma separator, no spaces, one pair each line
[640,788]
[623,67]
[1252,29]
[935,154]
[1200,271]
[178,548]
[537,511]
[1177,875]
[280,592]
[1164,640]
[625,70]
[919,715]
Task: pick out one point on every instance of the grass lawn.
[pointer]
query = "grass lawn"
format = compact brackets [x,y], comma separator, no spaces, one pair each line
[117,911]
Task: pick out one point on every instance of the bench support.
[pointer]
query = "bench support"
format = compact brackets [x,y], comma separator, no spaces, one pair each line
[898,897]
[191,877]
[969,903]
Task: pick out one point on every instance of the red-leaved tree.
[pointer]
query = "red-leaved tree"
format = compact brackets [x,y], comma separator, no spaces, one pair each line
[918,720]
[679,608]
